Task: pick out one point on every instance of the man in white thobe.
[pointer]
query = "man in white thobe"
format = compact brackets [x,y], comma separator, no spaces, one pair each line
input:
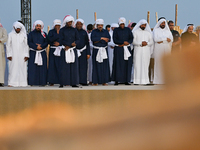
[111,45]
[163,43]
[89,31]
[143,40]
[3,39]
[17,54]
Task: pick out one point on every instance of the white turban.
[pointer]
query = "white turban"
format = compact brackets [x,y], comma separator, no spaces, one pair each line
[38,22]
[114,25]
[186,27]
[99,21]
[122,20]
[67,18]
[79,20]
[82,21]
[56,22]
[158,25]
[141,22]
[18,25]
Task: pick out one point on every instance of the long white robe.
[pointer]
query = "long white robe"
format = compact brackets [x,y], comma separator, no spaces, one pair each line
[160,50]
[18,49]
[3,39]
[111,50]
[142,56]
[90,60]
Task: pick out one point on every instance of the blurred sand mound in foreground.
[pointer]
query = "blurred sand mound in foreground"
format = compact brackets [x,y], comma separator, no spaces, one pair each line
[170,120]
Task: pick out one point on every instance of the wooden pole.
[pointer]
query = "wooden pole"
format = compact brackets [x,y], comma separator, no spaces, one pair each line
[156,17]
[76,13]
[95,16]
[48,47]
[176,15]
[148,17]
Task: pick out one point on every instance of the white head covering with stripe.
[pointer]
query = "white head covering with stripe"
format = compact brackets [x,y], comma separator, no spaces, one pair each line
[66,19]
[39,22]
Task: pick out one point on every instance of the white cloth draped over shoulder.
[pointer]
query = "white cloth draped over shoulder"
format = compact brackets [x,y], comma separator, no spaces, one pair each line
[142,54]
[18,49]
[161,49]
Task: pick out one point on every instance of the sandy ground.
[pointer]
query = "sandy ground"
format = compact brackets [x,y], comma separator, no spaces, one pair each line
[99,87]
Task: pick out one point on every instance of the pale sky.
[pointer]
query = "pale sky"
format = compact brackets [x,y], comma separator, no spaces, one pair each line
[110,11]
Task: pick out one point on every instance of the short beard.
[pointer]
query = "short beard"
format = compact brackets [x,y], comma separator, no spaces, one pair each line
[162,27]
[143,28]
[38,30]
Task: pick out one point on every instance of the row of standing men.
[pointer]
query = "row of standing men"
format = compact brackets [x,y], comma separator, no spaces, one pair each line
[110,55]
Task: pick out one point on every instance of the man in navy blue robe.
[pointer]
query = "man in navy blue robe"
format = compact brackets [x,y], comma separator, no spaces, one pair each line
[100,38]
[54,58]
[122,61]
[37,63]
[83,49]
[69,37]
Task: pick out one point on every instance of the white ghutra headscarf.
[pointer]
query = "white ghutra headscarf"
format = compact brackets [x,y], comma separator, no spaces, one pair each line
[18,25]
[186,27]
[158,25]
[141,22]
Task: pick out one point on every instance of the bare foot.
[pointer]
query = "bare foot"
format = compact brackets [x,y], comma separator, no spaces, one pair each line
[94,84]
[105,84]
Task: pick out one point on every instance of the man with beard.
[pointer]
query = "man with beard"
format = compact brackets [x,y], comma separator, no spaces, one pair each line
[69,38]
[37,63]
[143,40]
[188,38]
[83,49]
[163,42]
[122,61]
[17,54]
[100,38]
[176,37]
[54,53]
[3,39]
